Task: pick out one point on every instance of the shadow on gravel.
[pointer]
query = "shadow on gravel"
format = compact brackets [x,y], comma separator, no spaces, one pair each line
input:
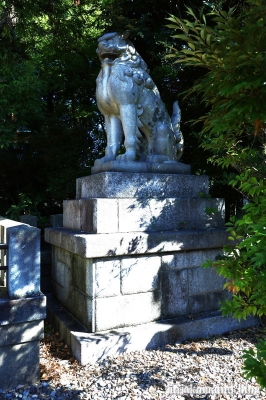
[210,350]
[44,391]
[39,392]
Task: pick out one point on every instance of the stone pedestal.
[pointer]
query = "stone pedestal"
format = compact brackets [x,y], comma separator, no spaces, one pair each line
[21,329]
[22,305]
[130,254]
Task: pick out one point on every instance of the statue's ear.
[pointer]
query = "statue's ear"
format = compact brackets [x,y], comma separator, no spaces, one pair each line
[125,35]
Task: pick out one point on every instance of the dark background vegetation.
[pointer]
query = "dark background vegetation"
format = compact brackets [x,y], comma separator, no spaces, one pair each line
[50,128]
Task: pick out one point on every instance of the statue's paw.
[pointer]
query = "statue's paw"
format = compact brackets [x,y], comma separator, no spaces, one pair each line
[103,160]
[126,157]
[99,161]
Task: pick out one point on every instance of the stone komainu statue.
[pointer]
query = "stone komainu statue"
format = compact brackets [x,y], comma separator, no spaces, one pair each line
[131,104]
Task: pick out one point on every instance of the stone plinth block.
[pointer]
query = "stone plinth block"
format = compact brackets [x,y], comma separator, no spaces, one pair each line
[90,348]
[129,310]
[140,274]
[137,215]
[106,245]
[91,215]
[189,259]
[140,185]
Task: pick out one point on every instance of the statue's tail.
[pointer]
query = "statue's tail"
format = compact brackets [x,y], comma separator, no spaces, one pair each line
[176,117]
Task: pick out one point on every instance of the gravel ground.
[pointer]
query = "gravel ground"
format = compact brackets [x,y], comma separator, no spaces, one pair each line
[202,369]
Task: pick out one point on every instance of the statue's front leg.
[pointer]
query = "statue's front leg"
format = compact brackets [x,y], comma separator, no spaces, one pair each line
[114,133]
[128,114]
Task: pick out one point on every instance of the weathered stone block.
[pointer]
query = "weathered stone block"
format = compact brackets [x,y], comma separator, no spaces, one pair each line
[107,278]
[134,309]
[174,293]
[59,294]
[83,274]
[206,302]
[129,215]
[22,310]
[169,214]
[62,274]
[91,215]
[117,244]
[189,259]
[94,347]
[21,328]
[71,214]
[204,280]
[19,365]
[105,217]
[83,308]
[56,220]
[62,255]
[122,280]
[23,260]
[140,274]
[20,333]
[140,185]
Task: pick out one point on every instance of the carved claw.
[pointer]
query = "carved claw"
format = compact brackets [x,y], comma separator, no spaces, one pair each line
[103,160]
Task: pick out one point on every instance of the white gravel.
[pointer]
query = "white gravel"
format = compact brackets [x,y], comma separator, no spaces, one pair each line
[204,369]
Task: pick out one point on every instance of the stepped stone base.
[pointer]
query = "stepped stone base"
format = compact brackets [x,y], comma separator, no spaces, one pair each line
[89,348]
[127,263]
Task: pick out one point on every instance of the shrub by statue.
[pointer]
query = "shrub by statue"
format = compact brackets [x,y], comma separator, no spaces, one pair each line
[232,49]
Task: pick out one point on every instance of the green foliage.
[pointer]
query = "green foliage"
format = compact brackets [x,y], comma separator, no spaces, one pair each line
[230,46]
[254,363]
[244,263]
[49,125]
[211,210]
[25,206]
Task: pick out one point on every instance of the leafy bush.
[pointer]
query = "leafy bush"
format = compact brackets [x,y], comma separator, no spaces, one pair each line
[231,47]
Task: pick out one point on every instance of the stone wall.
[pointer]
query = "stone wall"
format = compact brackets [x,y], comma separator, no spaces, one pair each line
[131,290]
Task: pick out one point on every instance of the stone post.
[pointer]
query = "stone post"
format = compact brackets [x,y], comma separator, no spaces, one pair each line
[22,305]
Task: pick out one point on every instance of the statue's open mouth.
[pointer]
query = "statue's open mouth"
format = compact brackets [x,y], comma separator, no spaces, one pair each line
[109,56]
